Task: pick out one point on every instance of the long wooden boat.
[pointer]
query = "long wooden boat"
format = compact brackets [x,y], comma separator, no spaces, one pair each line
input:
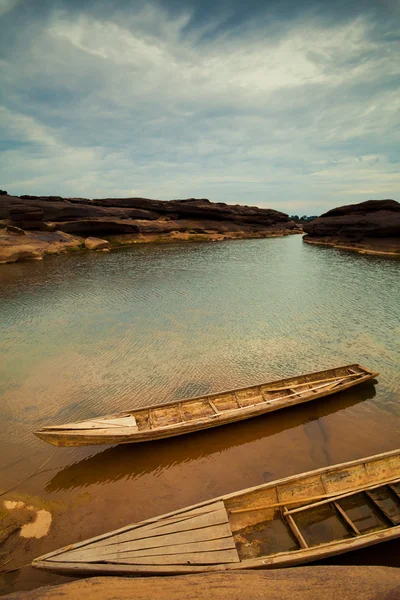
[288,522]
[185,416]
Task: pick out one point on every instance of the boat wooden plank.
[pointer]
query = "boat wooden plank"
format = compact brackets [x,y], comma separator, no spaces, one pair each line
[391,511]
[206,534]
[226,543]
[184,522]
[296,385]
[206,520]
[125,421]
[340,496]
[93,433]
[193,558]
[118,534]
[182,537]
[122,551]
[85,425]
[395,489]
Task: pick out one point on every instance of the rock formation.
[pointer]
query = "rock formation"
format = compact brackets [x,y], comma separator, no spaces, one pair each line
[296,583]
[127,220]
[93,243]
[369,227]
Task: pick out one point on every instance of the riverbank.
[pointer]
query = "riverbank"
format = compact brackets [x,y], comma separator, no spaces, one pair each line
[33,245]
[300,583]
[371,227]
[366,248]
[33,226]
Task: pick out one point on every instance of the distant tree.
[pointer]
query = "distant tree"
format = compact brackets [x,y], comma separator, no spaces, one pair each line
[302,219]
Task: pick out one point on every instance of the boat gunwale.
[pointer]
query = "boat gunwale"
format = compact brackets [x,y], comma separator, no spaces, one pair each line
[329,469]
[368,374]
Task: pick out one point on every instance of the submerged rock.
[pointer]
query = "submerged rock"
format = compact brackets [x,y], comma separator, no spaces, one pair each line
[372,226]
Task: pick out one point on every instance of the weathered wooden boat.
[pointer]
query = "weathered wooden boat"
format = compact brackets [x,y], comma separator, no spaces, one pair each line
[185,416]
[288,522]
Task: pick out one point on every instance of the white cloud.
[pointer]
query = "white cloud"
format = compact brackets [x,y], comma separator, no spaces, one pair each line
[140,105]
[7,5]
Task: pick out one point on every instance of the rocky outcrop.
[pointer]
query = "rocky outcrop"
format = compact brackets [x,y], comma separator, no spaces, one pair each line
[300,583]
[92,243]
[369,227]
[128,220]
[34,245]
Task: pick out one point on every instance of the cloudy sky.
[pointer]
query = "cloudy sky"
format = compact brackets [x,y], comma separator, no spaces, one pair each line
[290,104]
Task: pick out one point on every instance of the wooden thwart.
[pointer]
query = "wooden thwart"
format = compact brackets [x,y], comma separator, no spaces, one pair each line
[346,518]
[296,530]
[215,409]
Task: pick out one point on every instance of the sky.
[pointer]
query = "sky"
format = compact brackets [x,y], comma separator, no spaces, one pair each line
[286,104]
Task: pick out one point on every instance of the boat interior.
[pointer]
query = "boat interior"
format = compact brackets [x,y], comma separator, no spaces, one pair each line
[317,509]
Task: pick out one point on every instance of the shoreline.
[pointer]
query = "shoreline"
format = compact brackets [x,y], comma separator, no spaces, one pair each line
[35,245]
[359,249]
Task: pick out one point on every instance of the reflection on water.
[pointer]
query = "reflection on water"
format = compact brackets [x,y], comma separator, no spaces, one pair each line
[131,462]
[91,334]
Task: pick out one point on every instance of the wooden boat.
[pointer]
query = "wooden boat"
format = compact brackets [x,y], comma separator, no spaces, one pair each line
[288,522]
[184,416]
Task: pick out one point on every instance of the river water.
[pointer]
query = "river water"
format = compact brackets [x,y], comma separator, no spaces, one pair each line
[87,334]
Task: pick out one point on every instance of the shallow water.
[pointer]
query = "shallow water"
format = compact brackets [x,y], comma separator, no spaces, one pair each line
[86,334]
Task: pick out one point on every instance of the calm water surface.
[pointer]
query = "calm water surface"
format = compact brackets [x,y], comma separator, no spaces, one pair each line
[82,335]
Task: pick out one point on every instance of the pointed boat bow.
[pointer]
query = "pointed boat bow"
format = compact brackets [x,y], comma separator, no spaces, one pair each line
[185,542]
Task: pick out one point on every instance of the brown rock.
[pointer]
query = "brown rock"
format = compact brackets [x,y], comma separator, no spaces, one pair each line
[93,243]
[300,583]
[34,245]
[372,226]
[136,215]
[10,254]
[15,230]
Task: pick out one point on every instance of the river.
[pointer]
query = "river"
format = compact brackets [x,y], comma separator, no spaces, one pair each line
[86,334]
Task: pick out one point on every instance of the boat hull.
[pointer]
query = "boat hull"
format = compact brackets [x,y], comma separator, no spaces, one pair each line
[127,435]
[208,536]
[289,559]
